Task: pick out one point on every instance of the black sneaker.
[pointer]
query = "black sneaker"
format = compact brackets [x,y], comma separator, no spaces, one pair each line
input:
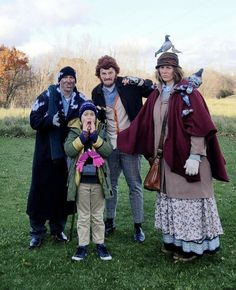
[35,243]
[61,237]
[139,235]
[80,253]
[103,253]
[109,226]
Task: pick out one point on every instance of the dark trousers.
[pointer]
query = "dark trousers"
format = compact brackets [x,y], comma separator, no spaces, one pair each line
[38,228]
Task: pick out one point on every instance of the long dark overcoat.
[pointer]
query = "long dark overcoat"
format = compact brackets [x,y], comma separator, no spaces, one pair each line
[48,191]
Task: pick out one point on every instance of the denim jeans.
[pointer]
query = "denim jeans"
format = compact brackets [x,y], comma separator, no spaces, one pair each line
[38,228]
[131,166]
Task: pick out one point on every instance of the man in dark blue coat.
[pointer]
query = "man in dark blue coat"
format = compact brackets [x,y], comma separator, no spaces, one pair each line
[47,199]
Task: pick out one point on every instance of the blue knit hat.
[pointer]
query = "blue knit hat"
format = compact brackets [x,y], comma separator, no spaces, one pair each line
[66,71]
[87,105]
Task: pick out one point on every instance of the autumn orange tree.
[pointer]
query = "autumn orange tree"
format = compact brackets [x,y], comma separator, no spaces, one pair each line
[13,74]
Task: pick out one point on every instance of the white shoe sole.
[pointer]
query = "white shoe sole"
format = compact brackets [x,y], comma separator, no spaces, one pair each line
[74,258]
[106,258]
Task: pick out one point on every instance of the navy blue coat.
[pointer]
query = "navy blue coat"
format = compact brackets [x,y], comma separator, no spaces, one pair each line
[48,191]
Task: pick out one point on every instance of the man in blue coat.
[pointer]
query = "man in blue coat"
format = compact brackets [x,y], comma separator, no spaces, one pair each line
[47,199]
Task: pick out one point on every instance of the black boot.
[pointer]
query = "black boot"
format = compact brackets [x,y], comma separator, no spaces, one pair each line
[109,226]
[139,235]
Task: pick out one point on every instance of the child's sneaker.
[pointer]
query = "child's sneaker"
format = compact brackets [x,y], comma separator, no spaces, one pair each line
[80,253]
[103,253]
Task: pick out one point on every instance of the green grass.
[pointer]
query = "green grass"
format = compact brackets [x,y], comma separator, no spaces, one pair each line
[134,266]
[14,122]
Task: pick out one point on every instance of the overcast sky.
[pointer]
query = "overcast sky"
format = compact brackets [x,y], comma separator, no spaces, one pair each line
[203,30]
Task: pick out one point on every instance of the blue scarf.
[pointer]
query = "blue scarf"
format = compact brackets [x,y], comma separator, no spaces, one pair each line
[110,95]
[57,151]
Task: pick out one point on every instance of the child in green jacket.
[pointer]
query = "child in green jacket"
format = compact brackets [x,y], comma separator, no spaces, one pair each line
[88,145]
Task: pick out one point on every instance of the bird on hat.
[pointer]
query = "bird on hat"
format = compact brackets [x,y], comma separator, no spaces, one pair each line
[166,46]
[175,50]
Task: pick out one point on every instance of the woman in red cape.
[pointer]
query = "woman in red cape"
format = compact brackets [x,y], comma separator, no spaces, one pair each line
[186,211]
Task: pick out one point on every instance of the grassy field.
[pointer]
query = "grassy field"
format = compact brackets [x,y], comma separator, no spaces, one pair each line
[134,266]
[15,122]
[218,107]
[222,107]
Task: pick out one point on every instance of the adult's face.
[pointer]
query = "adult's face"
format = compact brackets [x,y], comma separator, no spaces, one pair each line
[108,76]
[167,74]
[67,85]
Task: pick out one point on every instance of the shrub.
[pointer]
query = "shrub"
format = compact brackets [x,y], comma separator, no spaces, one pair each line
[224,93]
[16,127]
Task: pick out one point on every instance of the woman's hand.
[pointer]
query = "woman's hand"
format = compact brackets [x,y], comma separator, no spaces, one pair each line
[191,167]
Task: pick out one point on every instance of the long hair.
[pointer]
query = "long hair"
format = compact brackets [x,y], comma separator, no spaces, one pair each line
[178,74]
[106,62]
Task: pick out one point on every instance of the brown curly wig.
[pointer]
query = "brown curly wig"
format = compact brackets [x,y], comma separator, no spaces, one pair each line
[106,62]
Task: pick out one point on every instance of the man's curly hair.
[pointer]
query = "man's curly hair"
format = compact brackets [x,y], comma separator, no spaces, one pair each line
[106,62]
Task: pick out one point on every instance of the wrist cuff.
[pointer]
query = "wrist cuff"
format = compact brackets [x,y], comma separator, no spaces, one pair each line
[98,143]
[78,145]
[195,157]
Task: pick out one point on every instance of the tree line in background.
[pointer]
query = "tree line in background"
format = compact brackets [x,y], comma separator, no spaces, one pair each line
[21,82]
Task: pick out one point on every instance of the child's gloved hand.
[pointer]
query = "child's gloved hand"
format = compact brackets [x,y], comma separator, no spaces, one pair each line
[84,137]
[97,159]
[94,136]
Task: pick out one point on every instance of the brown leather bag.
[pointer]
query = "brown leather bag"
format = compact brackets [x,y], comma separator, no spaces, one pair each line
[152,180]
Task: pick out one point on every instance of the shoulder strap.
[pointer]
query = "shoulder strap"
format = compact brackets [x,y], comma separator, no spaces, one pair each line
[160,146]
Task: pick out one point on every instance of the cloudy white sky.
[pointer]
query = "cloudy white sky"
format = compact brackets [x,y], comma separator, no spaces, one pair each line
[203,30]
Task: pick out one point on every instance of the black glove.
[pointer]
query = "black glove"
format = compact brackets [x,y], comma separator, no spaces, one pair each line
[62,118]
[101,115]
[134,80]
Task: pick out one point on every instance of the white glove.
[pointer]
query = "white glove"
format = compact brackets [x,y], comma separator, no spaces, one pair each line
[191,166]
[55,120]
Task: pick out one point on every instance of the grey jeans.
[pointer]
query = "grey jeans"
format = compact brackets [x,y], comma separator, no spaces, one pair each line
[131,166]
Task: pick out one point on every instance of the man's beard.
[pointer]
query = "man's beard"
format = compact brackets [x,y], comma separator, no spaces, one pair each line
[110,84]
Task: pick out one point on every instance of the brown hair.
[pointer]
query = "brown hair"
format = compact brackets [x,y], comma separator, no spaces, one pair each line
[106,62]
[178,74]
